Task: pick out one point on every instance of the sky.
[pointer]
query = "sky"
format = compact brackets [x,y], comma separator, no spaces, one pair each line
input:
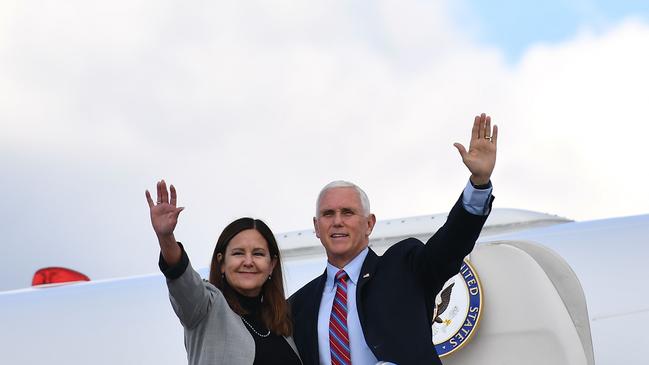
[249,108]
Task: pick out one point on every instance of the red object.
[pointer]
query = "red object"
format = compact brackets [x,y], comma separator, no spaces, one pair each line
[51,275]
[338,334]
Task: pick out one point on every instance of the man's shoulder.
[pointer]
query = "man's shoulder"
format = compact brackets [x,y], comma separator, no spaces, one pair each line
[403,247]
[305,292]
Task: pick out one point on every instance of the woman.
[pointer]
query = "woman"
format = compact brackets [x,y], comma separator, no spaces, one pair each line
[240,316]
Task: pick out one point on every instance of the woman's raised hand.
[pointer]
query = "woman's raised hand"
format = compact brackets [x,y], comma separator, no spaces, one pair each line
[164,213]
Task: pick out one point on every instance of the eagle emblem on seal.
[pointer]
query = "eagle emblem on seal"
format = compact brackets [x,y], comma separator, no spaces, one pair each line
[456,311]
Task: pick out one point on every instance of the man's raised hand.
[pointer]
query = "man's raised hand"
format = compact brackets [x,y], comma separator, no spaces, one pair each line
[481,157]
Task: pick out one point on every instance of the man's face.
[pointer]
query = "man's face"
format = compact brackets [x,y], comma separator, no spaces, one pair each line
[342,226]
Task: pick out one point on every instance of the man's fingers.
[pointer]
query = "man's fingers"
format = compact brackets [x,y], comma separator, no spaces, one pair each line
[481,127]
[460,149]
[148,198]
[475,131]
[173,195]
[487,126]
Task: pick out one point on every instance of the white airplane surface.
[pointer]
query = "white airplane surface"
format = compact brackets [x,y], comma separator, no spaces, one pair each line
[130,320]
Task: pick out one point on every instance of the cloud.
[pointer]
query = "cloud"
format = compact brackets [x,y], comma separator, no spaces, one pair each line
[249,109]
[579,122]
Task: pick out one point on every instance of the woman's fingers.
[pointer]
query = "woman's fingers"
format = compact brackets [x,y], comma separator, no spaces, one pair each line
[178,211]
[163,197]
[172,201]
[148,199]
[158,187]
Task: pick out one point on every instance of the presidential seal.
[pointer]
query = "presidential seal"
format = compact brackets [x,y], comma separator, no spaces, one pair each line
[457,311]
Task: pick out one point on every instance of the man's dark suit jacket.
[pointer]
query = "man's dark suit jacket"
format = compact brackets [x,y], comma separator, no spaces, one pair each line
[395,301]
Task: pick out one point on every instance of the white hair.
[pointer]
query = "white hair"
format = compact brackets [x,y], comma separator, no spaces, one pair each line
[365,201]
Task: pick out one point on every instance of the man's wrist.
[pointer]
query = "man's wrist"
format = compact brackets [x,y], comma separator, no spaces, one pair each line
[480,182]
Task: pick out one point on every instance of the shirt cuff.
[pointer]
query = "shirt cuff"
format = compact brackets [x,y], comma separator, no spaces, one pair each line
[174,272]
[475,199]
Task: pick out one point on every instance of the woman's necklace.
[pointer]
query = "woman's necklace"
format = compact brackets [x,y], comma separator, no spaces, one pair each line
[254,330]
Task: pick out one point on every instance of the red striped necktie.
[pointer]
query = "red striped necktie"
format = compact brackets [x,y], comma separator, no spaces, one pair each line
[338,334]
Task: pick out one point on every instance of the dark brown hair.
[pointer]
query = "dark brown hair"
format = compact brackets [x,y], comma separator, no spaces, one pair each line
[274,308]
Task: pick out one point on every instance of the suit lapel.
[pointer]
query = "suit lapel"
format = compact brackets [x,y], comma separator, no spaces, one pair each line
[312,319]
[367,273]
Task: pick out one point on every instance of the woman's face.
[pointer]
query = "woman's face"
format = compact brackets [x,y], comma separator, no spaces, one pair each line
[247,262]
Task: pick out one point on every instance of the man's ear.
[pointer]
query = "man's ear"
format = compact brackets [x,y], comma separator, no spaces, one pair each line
[315,227]
[371,221]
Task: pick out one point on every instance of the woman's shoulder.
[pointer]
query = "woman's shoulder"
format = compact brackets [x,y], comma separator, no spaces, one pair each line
[211,288]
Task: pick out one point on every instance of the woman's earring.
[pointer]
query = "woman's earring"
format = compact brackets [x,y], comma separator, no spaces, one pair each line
[269,277]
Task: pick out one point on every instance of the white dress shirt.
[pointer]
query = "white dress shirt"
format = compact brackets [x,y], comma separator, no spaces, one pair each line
[360,352]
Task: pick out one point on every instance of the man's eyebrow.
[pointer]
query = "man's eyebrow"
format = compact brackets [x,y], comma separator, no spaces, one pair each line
[343,209]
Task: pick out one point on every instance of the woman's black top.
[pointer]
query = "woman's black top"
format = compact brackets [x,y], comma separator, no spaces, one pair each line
[270,350]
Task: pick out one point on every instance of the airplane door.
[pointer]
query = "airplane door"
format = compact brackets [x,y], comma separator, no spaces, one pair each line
[533,309]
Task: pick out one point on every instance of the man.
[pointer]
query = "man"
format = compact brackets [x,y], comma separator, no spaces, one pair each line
[364,308]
